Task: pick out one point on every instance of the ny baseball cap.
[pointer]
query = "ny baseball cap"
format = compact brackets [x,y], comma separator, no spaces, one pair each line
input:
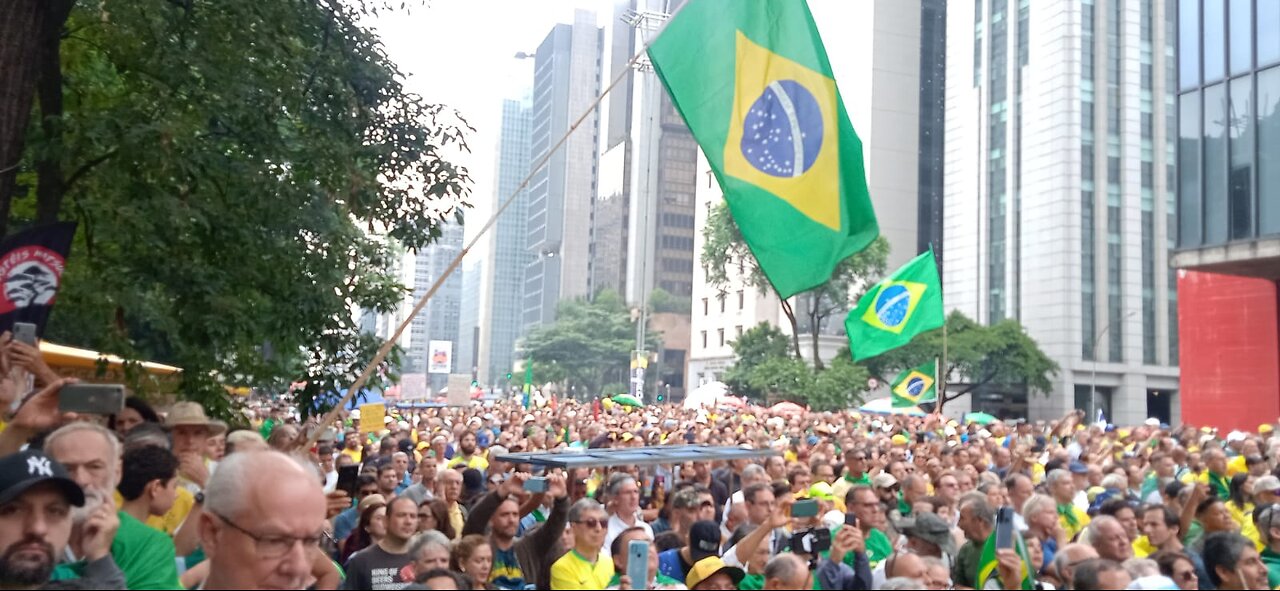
[23,470]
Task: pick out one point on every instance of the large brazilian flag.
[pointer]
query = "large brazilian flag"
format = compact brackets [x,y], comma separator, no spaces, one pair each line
[752,80]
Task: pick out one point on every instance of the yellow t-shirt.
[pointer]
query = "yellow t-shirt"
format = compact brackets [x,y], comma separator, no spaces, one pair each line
[354,454]
[573,571]
[477,461]
[1082,520]
[172,520]
[1142,547]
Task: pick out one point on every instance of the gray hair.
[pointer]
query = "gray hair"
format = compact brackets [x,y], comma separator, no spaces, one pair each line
[1088,572]
[900,583]
[754,471]
[1055,476]
[1090,534]
[617,481]
[1114,481]
[785,567]
[225,493]
[147,434]
[978,507]
[1141,567]
[584,506]
[113,442]
[1037,503]
[400,454]
[425,540]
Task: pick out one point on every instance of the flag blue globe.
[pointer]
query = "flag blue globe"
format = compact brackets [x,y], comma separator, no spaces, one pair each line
[892,304]
[915,386]
[782,131]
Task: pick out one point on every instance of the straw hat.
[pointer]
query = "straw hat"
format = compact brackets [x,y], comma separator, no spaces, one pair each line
[192,414]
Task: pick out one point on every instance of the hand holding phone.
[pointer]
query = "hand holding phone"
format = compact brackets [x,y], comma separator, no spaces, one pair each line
[638,563]
[537,484]
[1004,527]
[805,508]
[99,399]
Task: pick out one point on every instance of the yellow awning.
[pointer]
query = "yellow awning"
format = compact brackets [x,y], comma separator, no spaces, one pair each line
[62,356]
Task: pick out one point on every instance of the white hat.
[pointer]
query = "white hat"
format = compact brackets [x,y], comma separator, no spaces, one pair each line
[1152,422]
[387,419]
[488,416]
[527,418]
[355,413]
[1235,436]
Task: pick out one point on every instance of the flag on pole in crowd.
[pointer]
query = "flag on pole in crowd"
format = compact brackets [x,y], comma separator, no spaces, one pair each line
[897,309]
[31,266]
[761,102]
[528,381]
[916,385]
[988,566]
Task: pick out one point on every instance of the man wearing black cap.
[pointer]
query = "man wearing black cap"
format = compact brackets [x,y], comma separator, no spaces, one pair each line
[36,496]
[704,541]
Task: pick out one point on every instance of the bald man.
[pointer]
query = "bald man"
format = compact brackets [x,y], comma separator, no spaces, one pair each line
[263,515]
[787,571]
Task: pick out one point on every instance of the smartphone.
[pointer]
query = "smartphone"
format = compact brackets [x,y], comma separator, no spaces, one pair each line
[97,399]
[805,508]
[24,332]
[1004,527]
[638,563]
[851,520]
[537,484]
[348,479]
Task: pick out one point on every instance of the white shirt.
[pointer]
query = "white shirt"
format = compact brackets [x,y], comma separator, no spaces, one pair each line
[330,482]
[616,527]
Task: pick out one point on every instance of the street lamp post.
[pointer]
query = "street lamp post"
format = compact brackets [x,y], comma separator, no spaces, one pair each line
[1093,378]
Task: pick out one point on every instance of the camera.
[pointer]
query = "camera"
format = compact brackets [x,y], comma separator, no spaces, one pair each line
[811,541]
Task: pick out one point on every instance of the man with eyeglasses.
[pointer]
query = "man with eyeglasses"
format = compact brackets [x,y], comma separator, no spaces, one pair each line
[862,501]
[262,522]
[584,566]
[1268,522]
[855,472]
[379,565]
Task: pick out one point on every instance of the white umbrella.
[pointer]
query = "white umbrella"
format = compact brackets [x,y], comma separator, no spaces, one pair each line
[884,406]
[706,395]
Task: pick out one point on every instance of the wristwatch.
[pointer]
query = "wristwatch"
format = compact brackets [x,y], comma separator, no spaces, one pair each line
[199,498]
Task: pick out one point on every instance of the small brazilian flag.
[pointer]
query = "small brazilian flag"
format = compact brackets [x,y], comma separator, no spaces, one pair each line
[752,81]
[915,385]
[988,566]
[897,309]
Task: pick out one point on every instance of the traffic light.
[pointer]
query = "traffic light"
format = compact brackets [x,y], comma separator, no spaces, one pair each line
[508,375]
[660,397]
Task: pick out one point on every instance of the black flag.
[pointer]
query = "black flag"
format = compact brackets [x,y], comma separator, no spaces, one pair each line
[31,266]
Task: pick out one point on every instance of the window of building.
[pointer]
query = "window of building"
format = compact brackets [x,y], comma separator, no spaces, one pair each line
[742,300]
[1240,177]
[705,308]
[737,330]
[1215,164]
[1241,36]
[1215,42]
[1268,126]
[704,339]
[1189,189]
[1267,32]
[720,331]
[721,298]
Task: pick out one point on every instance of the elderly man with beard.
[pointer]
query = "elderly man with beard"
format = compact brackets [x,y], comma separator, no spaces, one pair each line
[524,560]
[36,501]
[91,454]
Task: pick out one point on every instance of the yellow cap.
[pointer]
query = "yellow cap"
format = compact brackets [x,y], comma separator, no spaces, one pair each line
[1122,433]
[823,491]
[707,567]
[1265,428]
[899,439]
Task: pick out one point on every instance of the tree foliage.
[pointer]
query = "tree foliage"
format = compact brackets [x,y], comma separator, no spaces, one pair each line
[756,345]
[661,301]
[727,260]
[977,355]
[589,345]
[838,387]
[228,162]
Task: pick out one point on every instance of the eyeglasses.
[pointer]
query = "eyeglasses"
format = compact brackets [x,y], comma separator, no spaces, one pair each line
[1185,576]
[594,523]
[272,546]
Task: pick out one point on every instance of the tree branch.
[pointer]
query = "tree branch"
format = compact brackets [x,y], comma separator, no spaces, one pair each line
[85,168]
[795,330]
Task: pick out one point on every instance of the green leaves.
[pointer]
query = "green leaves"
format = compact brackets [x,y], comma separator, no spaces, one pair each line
[588,346]
[230,163]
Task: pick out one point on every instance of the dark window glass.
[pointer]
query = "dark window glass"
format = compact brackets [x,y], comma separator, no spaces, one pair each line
[1268,122]
[1240,131]
[1189,188]
[1215,164]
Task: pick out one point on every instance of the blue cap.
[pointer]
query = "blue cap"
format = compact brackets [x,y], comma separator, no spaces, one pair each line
[1078,468]
[813,440]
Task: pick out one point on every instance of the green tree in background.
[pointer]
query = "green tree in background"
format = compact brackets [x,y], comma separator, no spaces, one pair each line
[228,162]
[725,257]
[757,344]
[589,345]
[977,355]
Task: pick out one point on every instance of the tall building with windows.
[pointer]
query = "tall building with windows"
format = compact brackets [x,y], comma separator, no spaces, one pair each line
[439,320]
[1228,184]
[1060,196]
[466,345]
[502,284]
[566,80]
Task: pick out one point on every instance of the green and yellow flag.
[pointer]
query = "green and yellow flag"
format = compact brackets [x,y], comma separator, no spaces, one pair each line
[752,81]
[897,309]
[915,385]
[988,566]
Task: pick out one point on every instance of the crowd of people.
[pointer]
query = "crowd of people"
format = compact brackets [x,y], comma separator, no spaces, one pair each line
[175,500]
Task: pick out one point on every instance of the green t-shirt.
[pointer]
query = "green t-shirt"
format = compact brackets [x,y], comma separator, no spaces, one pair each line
[1272,560]
[878,548]
[752,583]
[965,571]
[144,554]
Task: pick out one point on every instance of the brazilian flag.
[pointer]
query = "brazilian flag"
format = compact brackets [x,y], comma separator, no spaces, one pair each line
[988,566]
[897,309]
[752,81]
[915,385]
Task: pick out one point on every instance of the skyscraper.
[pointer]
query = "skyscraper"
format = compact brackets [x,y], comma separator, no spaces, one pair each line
[1058,182]
[466,345]
[566,81]
[502,288]
[438,321]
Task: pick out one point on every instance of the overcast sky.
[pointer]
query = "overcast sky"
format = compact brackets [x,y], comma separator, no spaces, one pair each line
[461,53]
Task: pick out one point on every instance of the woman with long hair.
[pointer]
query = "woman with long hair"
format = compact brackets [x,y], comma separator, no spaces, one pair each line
[441,512]
[1240,504]
[373,525]
[472,556]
